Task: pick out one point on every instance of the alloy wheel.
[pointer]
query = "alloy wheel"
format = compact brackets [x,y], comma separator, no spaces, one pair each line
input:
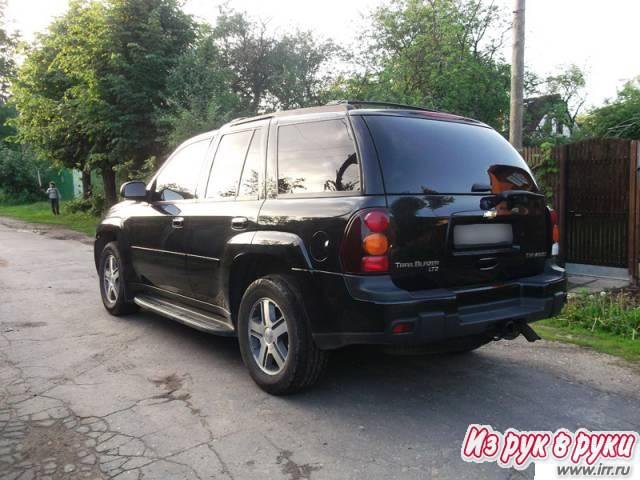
[268,336]
[111,279]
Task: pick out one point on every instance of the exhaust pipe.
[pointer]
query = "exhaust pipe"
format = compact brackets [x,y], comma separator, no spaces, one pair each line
[511,330]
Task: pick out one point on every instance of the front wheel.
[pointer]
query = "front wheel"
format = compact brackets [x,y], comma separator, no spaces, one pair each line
[112,284]
[275,337]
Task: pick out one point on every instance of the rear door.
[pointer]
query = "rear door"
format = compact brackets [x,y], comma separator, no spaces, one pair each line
[464,205]
[157,234]
[232,200]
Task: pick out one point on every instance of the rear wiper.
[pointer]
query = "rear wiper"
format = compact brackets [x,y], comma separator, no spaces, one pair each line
[487,203]
[480,187]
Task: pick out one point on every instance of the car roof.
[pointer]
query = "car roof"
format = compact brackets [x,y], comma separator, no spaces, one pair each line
[357,107]
[350,107]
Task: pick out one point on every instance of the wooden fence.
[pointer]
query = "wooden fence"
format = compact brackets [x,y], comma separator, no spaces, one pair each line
[594,188]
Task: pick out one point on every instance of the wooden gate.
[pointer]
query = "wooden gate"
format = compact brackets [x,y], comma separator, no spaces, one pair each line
[597,195]
[597,202]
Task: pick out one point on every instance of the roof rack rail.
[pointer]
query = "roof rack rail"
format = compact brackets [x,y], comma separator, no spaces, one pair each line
[359,103]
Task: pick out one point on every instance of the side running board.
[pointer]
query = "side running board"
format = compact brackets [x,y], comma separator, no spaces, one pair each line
[198,319]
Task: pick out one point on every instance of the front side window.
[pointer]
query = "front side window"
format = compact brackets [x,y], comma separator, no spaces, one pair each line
[227,165]
[179,178]
[317,157]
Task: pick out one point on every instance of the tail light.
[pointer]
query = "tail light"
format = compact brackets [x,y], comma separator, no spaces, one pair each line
[365,247]
[555,232]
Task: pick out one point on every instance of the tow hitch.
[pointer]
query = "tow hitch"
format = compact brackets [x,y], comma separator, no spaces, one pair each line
[529,333]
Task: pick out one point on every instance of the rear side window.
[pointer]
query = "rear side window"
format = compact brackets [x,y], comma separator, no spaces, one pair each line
[317,157]
[178,179]
[227,165]
[249,182]
[423,156]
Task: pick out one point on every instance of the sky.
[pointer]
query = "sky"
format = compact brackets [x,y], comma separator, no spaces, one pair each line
[599,36]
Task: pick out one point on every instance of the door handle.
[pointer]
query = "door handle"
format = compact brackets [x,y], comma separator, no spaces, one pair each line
[177,222]
[239,223]
[486,264]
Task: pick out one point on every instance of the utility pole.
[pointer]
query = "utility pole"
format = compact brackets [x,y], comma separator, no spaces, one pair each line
[517,76]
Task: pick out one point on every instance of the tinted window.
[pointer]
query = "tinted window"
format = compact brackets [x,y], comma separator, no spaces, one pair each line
[227,165]
[179,178]
[317,157]
[429,156]
[252,166]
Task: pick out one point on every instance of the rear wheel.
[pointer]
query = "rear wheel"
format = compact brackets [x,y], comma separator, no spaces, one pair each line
[275,338]
[112,283]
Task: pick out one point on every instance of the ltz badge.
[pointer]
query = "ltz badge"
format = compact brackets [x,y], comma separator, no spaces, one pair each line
[429,265]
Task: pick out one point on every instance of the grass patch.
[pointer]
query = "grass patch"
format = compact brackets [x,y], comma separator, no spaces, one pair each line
[602,342]
[607,321]
[40,212]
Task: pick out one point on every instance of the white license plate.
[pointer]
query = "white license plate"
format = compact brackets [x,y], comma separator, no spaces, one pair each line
[482,234]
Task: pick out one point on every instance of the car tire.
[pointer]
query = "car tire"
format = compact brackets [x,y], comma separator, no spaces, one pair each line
[279,352]
[111,275]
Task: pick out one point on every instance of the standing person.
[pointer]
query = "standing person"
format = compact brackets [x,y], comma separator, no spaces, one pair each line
[54,198]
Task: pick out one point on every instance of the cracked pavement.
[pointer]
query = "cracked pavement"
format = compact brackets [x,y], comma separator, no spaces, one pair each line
[87,395]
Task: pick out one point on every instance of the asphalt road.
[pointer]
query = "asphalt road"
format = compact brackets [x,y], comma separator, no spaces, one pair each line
[87,395]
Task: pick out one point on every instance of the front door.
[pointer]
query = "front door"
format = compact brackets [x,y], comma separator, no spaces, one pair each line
[157,235]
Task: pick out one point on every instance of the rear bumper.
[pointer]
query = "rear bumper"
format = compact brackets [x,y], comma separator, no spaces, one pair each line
[441,314]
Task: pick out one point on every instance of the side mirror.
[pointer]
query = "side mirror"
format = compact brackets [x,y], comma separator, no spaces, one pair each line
[134,190]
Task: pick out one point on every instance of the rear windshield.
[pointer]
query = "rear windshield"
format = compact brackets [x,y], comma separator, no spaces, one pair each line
[424,156]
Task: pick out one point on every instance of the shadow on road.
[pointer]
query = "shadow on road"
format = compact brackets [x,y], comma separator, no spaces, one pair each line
[493,385]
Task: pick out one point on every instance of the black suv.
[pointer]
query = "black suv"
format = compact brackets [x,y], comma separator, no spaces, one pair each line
[353,223]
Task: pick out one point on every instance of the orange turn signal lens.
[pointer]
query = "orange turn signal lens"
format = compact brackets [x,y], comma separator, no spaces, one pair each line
[375,244]
[556,234]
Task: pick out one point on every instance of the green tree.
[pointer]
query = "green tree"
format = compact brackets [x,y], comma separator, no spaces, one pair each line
[618,118]
[270,71]
[54,91]
[8,45]
[88,93]
[199,92]
[439,53]
[144,40]
[569,85]
[239,68]
[555,102]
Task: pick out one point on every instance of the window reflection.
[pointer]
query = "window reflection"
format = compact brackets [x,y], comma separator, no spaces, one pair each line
[179,178]
[420,155]
[317,157]
[227,165]
[250,174]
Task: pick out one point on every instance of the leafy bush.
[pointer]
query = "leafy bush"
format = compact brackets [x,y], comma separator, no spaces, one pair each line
[93,205]
[18,198]
[618,118]
[612,312]
[19,177]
